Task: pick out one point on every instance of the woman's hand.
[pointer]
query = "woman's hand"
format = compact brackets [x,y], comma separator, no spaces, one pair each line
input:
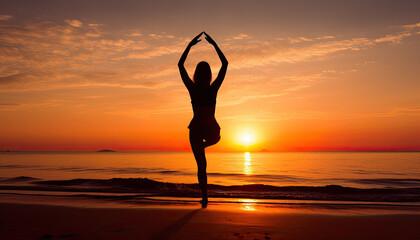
[209,39]
[195,40]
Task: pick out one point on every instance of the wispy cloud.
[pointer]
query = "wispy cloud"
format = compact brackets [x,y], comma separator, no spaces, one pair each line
[5,17]
[134,33]
[158,36]
[17,106]
[304,39]
[48,80]
[43,55]
[238,37]
[278,116]
[411,26]
[397,39]
[262,54]
[242,92]
[74,22]
[394,112]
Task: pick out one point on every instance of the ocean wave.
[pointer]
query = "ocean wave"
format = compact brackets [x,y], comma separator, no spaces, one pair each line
[283,179]
[389,181]
[18,179]
[255,191]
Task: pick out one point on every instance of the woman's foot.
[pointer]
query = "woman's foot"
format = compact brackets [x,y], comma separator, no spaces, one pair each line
[204,202]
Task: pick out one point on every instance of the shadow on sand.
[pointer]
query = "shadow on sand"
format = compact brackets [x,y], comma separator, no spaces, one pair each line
[169,231]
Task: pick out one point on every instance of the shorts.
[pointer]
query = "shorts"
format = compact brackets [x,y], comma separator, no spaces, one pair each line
[209,132]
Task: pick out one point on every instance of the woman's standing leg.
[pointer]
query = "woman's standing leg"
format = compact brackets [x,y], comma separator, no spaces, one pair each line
[198,146]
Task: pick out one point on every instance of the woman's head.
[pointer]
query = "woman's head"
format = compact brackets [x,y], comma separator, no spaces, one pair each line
[202,75]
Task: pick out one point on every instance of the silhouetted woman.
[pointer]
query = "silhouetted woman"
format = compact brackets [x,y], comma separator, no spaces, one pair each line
[204,129]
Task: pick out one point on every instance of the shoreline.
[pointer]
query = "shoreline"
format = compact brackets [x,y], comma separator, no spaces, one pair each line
[145,200]
[407,193]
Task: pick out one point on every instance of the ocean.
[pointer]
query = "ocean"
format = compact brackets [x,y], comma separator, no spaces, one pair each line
[337,176]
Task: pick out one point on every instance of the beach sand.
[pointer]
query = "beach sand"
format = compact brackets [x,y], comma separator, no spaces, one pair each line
[36,221]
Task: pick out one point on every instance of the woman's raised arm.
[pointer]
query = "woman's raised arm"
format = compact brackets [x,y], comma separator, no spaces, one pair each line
[222,72]
[184,75]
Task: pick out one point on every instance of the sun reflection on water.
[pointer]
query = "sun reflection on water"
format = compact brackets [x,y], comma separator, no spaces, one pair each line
[247,162]
[248,204]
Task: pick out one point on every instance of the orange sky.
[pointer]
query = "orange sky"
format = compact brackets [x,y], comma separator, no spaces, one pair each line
[302,76]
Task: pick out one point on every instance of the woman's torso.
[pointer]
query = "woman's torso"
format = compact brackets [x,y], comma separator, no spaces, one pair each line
[203,102]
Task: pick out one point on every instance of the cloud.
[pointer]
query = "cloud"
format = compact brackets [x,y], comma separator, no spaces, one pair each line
[42,55]
[242,92]
[304,39]
[153,112]
[241,36]
[5,17]
[17,106]
[278,116]
[135,33]
[74,22]
[397,39]
[45,55]
[300,39]
[238,37]
[395,112]
[411,26]
[154,52]
[55,79]
[325,37]
[263,53]
[158,36]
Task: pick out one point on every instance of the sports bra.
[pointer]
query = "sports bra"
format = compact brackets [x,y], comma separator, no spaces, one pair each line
[204,96]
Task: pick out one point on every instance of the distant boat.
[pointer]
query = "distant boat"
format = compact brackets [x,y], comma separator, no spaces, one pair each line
[264,150]
[106,150]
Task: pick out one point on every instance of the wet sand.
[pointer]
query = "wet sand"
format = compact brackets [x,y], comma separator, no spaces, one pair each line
[35,221]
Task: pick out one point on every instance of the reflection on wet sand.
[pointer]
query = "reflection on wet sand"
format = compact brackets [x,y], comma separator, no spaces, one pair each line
[248,204]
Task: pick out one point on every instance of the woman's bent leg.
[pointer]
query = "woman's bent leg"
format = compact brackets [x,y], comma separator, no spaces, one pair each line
[212,137]
[198,146]
[211,141]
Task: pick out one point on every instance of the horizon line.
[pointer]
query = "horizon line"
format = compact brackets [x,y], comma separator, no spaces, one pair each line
[151,151]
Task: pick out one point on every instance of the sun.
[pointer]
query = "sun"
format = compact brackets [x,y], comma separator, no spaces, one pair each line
[246,138]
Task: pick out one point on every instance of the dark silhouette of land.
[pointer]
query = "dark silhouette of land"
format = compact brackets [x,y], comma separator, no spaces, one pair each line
[106,150]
